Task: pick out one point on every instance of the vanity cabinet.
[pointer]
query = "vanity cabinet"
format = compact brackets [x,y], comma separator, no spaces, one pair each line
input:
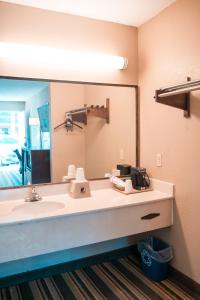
[84,228]
[36,237]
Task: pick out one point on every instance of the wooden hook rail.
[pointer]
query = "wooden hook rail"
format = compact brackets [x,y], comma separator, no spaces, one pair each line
[100,111]
[80,115]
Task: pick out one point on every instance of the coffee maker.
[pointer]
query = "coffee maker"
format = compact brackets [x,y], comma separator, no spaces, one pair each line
[140,178]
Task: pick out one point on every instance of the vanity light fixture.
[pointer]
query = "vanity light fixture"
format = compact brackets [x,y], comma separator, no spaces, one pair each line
[70,59]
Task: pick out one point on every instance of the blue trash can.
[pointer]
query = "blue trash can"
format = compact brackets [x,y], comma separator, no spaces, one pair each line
[155,256]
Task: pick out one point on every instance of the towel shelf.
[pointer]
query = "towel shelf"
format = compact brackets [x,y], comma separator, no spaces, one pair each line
[178,96]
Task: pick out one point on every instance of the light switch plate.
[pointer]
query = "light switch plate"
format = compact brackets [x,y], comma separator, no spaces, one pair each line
[158,160]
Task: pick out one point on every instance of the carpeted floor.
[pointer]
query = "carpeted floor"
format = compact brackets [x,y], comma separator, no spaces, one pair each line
[117,280]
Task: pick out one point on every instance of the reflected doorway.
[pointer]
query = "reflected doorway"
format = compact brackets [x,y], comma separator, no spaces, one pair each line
[24,132]
[12,139]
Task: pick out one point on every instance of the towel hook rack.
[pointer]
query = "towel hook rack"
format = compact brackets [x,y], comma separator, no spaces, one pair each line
[80,115]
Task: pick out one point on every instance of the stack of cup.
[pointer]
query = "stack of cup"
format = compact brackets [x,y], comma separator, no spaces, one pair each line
[80,175]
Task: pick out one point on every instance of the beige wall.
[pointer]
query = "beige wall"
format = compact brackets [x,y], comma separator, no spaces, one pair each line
[169,51]
[20,24]
[67,147]
[105,141]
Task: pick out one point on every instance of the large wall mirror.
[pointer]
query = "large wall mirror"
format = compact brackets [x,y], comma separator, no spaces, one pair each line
[45,126]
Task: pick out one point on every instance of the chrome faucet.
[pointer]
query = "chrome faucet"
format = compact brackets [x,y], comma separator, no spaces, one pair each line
[33,196]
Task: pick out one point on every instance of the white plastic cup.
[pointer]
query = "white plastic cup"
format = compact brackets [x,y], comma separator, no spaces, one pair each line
[128,186]
[71,171]
[80,174]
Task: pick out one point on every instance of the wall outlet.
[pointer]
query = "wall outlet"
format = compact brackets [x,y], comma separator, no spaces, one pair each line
[158,160]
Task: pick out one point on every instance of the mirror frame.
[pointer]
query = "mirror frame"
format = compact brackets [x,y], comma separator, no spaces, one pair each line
[137,119]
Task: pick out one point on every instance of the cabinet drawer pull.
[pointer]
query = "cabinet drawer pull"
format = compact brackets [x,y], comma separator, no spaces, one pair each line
[150,216]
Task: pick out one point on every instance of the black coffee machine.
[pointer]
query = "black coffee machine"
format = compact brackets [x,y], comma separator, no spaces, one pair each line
[140,178]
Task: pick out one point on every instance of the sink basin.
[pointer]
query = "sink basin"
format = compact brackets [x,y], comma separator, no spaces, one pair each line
[35,208]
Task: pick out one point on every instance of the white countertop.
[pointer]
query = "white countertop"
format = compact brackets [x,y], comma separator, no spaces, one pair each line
[103,198]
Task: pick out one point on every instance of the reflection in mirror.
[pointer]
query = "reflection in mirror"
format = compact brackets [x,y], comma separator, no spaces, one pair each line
[47,126]
[24,132]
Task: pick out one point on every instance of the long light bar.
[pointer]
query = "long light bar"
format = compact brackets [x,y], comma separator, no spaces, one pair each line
[61,57]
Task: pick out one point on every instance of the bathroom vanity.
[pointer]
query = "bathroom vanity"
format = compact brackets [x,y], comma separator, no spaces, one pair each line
[59,222]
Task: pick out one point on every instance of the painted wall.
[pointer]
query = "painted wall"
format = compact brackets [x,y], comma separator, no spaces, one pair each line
[67,147]
[33,132]
[169,51]
[46,260]
[106,142]
[20,24]
[38,99]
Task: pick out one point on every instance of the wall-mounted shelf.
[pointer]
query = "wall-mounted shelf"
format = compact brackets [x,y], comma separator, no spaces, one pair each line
[178,96]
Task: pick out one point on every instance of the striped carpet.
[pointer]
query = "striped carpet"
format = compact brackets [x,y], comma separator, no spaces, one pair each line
[120,279]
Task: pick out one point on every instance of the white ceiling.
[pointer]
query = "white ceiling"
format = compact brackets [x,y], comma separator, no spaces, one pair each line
[128,12]
[19,90]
